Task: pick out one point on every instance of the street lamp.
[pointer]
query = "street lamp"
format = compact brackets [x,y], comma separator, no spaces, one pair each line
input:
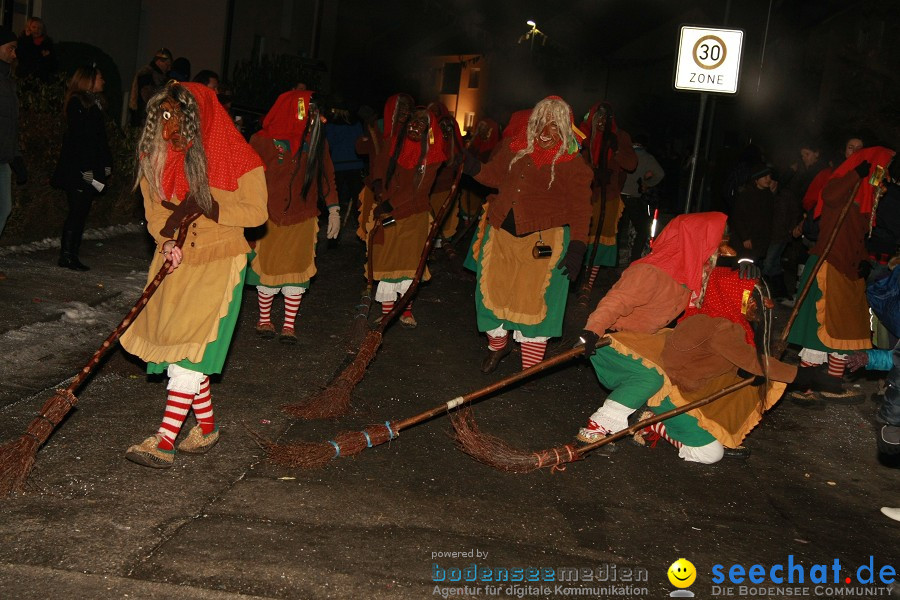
[531,34]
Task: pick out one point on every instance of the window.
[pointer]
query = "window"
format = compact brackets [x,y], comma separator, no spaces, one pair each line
[474,77]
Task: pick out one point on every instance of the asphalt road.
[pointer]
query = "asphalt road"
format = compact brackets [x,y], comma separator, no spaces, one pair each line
[407,518]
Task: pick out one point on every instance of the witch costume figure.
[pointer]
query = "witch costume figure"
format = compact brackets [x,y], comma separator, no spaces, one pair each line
[192,160]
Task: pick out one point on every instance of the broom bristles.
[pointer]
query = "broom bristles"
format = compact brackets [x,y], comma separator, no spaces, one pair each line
[334,400]
[314,455]
[16,461]
[499,455]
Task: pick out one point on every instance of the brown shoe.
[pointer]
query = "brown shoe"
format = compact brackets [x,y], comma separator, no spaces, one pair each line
[287,336]
[198,443]
[265,330]
[493,358]
[148,454]
[408,321]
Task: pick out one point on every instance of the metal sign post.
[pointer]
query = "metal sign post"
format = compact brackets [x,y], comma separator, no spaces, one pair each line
[709,61]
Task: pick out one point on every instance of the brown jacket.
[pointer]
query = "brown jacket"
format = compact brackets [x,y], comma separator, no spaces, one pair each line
[209,240]
[701,348]
[523,188]
[849,246]
[405,196]
[286,207]
[645,299]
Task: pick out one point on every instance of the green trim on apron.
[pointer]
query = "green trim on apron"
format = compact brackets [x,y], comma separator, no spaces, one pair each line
[607,256]
[217,350]
[554,297]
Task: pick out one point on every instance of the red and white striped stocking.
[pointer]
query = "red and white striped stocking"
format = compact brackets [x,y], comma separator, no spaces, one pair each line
[407,312]
[836,365]
[660,430]
[497,342]
[265,307]
[532,353]
[593,276]
[203,410]
[177,406]
[291,306]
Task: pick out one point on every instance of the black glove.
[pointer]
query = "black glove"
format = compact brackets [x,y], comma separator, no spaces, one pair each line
[382,208]
[757,379]
[864,269]
[589,339]
[18,167]
[747,269]
[186,207]
[613,141]
[862,169]
[572,260]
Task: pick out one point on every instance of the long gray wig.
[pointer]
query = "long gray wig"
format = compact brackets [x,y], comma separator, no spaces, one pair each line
[152,149]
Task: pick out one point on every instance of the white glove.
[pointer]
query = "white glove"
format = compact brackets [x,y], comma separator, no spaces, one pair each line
[334,222]
[88,176]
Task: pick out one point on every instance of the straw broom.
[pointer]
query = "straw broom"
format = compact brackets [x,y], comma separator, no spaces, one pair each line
[17,456]
[334,400]
[309,455]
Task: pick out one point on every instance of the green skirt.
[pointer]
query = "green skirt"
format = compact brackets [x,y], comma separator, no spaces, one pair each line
[607,256]
[805,330]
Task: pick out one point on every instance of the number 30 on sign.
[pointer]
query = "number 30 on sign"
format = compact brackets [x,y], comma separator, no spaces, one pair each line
[709,60]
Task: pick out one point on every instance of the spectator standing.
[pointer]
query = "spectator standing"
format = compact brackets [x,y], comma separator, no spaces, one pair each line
[147,81]
[639,194]
[750,221]
[85,162]
[9,119]
[181,69]
[208,78]
[35,52]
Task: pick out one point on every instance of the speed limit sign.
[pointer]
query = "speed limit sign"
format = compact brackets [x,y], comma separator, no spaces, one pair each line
[709,60]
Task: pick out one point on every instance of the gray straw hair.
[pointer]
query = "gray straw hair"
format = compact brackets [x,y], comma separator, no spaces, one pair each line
[152,148]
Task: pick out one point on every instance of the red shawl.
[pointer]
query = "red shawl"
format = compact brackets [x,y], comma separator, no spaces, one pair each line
[286,120]
[228,155]
[411,151]
[596,142]
[390,106]
[865,195]
[684,246]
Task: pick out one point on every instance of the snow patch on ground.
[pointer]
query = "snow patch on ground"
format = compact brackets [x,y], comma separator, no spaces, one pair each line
[101,233]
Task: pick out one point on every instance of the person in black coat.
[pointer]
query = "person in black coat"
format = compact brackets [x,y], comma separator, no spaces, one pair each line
[85,162]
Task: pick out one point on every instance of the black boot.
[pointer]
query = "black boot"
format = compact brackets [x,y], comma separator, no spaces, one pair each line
[68,255]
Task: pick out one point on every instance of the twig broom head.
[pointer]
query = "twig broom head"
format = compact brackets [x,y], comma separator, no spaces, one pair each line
[334,400]
[313,455]
[496,453]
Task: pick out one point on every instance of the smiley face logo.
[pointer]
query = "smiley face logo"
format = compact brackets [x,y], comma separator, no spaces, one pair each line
[682,573]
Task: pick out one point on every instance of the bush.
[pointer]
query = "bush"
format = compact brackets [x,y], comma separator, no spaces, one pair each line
[38,209]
